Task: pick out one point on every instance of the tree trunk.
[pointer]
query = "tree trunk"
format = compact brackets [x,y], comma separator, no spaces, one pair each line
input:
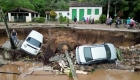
[7,29]
[108,8]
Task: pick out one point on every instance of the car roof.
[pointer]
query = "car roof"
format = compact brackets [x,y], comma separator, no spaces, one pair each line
[96,45]
[98,52]
[36,35]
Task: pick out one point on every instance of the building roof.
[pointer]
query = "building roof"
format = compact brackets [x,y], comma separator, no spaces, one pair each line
[83,4]
[47,12]
[18,10]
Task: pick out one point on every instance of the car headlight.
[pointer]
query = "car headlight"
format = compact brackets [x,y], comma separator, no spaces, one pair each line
[25,46]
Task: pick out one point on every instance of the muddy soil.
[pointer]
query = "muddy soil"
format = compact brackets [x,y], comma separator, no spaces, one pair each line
[78,36]
[54,38]
[98,74]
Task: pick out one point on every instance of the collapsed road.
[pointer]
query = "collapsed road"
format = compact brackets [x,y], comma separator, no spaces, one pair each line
[55,38]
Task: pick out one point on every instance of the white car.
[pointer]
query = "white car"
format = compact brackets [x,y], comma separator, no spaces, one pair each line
[88,54]
[32,43]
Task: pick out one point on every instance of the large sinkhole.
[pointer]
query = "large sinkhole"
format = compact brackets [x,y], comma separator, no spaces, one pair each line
[73,37]
[56,38]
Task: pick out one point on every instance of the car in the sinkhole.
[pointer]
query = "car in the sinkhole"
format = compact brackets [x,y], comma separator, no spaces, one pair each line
[32,43]
[95,53]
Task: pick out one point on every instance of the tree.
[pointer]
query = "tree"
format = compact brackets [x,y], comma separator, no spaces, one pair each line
[12,4]
[40,6]
[3,17]
[53,14]
[61,4]
[102,18]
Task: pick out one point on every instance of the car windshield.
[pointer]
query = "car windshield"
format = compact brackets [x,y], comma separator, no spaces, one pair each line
[108,52]
[34,42]
[88,54]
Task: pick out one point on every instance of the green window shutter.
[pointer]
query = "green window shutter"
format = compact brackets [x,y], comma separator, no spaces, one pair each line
[89,11]
[96,11]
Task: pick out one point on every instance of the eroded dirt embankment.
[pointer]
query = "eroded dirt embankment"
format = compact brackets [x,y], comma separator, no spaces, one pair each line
[78,36]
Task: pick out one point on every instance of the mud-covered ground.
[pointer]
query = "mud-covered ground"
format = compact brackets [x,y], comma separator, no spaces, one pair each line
[55,38]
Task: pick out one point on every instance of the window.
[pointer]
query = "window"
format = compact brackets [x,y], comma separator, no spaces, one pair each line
[60,13]
[34,42]
[96,11]
[108,52]
[88,54]
[67,13]
[88,11]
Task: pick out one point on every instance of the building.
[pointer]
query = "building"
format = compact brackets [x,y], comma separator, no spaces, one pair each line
[80,9]
[62,12]
[22,15]
[58,12]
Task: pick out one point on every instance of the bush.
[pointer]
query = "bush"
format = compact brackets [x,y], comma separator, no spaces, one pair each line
[113,20]
[63,19]
[102,18]
[39,20]
[1,20]
[53,14]
[97,21]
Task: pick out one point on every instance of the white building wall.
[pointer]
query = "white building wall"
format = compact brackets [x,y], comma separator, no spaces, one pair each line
[29,18]
[9,17]
[96,17]
[12,18]
[64,13]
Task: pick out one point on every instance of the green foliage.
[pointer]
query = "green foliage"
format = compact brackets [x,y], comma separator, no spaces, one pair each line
[63,19]
[113,20]
[119,54]
[12,4]
[70,74]
[39,20]
[53,14]
[93,70]
[102,18]
[1,20]
[97,22]
[128,7]
[40,6]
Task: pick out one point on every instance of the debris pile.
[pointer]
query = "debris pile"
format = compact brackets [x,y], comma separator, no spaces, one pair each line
[131,57]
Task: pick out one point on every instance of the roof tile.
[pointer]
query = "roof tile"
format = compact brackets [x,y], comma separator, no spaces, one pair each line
[83,4]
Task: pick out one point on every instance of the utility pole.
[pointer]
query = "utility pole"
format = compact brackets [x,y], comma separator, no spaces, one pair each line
[74,75]
[108,8]
[115,11]
[3,17]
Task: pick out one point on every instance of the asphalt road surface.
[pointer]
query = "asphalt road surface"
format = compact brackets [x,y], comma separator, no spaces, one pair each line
[78,26]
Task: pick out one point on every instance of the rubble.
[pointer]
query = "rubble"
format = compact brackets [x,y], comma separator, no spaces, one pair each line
[52,53]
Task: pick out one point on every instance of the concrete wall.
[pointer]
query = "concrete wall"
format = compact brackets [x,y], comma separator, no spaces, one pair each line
[64,13]
[10,18]
[96,17]
[29,18]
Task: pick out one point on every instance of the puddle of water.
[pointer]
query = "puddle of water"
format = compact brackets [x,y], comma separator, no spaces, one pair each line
[100,74]
[8,68]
